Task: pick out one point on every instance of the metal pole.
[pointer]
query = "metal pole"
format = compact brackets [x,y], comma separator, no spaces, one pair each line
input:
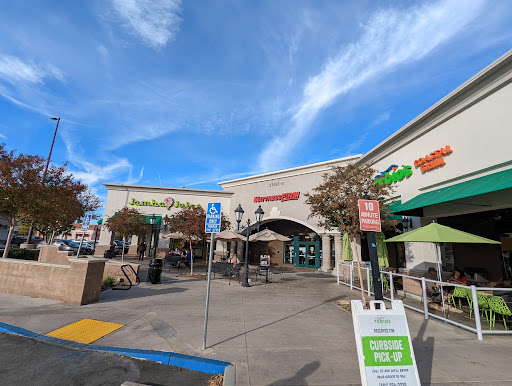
[368,279]
[351,276]
[338,273]
[208,293]
[30,230]
[246,272]
[80,246]
[391,286]
[425,301]
[476,310]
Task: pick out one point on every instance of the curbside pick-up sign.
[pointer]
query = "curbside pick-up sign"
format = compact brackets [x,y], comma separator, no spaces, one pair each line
[384,347]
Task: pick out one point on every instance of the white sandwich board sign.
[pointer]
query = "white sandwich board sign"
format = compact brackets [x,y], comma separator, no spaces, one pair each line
[384,347]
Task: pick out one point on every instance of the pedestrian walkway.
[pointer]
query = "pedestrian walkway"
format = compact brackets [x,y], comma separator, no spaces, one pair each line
[286,332]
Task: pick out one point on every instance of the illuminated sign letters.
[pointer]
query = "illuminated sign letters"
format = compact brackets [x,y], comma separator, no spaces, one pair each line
[433,160]
[393,174]
[168,203]
[280,197]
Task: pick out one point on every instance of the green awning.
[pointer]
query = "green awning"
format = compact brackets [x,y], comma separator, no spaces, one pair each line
[393,207]
[487,184]
[100,221]
[158,219]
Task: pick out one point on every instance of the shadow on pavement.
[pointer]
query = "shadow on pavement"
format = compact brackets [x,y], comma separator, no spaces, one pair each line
[300,377]
[279,320]
[424,353]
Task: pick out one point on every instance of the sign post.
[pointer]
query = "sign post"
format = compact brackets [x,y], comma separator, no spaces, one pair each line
[384,347]
[369,221]
[85,228]
[212,226]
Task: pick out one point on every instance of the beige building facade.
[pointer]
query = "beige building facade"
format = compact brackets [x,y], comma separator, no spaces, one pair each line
[452,164]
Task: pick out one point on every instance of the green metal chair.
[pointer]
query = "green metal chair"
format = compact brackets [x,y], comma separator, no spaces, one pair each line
[385,283]
[483,304]
[498,306]
[461,293]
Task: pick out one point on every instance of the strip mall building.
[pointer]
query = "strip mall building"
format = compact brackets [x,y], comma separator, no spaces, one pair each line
[452,164]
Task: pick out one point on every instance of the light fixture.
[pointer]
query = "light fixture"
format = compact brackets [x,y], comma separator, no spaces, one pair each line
[152,219]
[259,216]
[239,213]
[406,223]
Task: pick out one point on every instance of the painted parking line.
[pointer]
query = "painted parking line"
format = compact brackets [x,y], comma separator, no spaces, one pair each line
[85,330]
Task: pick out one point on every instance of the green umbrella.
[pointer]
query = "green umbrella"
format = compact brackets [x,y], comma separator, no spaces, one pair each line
[382,250]
[347,248]
[437,233]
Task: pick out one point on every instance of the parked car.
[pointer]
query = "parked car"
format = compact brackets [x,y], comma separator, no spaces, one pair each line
[119,245]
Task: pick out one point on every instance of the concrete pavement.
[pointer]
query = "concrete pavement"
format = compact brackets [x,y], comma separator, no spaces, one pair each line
[281,333]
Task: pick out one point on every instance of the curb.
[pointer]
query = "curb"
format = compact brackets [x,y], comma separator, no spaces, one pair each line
[204,365]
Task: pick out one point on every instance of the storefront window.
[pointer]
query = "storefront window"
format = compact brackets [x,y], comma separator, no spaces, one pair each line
[288,253]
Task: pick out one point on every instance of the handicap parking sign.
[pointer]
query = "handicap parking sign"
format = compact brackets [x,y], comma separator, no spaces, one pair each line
[213,217]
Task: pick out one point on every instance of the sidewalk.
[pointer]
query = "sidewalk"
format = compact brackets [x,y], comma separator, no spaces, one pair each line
[287,332]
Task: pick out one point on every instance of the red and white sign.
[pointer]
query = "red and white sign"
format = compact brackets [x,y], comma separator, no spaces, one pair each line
[369,215]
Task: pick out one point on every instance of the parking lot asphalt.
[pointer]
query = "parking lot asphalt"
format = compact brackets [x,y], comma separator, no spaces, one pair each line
[26,361]
[283,333]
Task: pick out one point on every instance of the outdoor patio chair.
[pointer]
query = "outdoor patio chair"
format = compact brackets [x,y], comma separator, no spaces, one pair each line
[235,271]
[278,271]
[498,306]
[262,272]
[483,304]
[461,293]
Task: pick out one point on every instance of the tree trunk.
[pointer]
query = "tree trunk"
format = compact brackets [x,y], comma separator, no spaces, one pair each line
[363,299]
[122,252]
[8,242]
[51,238]
[191,259]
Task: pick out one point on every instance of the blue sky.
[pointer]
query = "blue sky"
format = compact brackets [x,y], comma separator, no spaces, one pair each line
[190,93]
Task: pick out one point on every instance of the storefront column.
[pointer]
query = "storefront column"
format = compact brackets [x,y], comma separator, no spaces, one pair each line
[338,247]
[326,253]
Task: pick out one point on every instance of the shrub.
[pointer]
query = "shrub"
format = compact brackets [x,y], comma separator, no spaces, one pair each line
[108,282]
[24,254]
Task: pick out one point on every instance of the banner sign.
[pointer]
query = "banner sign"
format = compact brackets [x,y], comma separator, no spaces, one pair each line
[384,347]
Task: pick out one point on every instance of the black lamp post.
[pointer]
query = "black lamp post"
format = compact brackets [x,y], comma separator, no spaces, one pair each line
[151,241]
[259,215]
[239,212]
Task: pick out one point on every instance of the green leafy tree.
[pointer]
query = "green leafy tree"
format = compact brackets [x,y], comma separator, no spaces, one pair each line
[127,222]
[190,222]
[334,202]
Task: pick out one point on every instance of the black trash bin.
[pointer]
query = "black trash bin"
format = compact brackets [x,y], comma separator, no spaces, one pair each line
[155,271]
[108,254]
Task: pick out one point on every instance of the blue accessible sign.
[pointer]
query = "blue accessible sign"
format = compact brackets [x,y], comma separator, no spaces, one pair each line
[213,217]
[87,221]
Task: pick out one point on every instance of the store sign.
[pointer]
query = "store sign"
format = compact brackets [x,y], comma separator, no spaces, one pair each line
[393,174]
[433,160]
[168,203]
[384,347]
[369,215]
[280,197]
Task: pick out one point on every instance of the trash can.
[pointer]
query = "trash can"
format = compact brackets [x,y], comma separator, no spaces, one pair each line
[108,254]
[155,271]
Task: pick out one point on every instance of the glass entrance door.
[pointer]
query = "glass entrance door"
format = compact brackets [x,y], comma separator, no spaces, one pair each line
[308,256]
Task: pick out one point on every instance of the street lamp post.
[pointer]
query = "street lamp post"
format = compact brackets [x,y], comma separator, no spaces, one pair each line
[29,236]
[151,241]
[238,215]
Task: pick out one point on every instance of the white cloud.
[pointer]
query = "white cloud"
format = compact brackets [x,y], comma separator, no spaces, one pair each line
[381,119]
[2,136]
[154,22]
[14,71]
[390,38]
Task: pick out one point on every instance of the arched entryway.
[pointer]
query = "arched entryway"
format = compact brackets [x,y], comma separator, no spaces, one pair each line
[303,251]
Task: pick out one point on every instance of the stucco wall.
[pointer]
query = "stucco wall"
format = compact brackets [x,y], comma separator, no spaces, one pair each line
[76,283]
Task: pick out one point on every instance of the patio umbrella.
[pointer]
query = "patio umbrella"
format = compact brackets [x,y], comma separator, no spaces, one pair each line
[347,249]
[382,250]
[268,235]
[437,233]
[228,235]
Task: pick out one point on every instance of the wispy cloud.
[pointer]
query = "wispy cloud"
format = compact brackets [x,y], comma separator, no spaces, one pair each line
[225,177]
[390,38]
[154,22]
[381,119]
[14,70]
[2,136]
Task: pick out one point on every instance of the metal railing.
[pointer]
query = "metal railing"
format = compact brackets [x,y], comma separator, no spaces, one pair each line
[415,296]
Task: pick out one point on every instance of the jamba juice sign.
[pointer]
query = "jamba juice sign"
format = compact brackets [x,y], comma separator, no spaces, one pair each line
[393,174]
[168,203]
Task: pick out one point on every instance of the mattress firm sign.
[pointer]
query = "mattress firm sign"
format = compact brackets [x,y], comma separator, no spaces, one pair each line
[386,356]
[279,197]
[168,203]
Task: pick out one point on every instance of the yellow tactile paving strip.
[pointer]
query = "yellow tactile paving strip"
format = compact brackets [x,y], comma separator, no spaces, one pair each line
[85,330]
